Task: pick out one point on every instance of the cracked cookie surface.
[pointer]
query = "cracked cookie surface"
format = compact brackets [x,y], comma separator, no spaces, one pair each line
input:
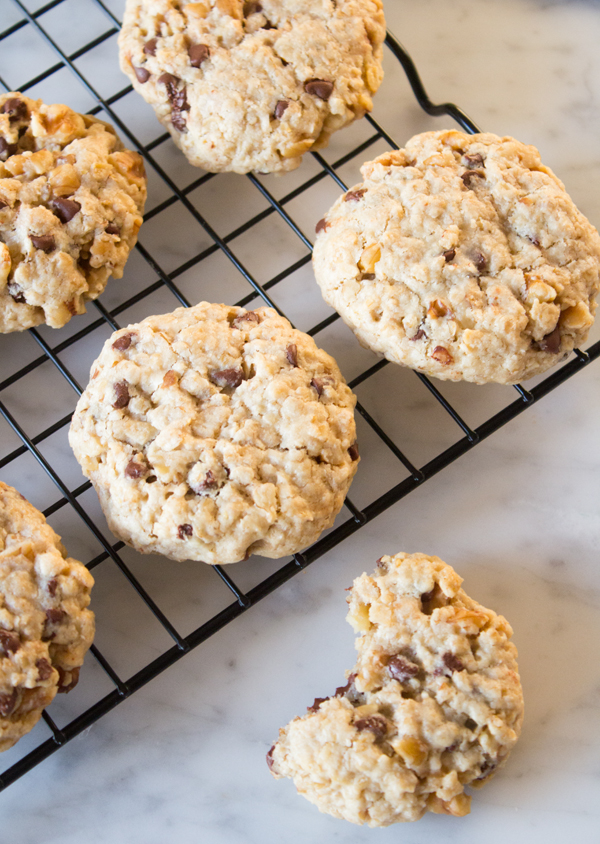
[245,86]
[45,626]
[213,432]
[71,200]
[461,256]
[433,704]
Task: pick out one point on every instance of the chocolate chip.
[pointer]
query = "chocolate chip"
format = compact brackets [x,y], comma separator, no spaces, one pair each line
[452,662]
[135,470]
[426,597]
[15,108]
[45,242]
[486,769]
[367,276]
[170,82]
[177,99]
[231,378]
[343,690]
[184,531]
[355,195]
[472,159]
[9,642]
[141,73]
[17,293]
[470,724]
[63,685]
[249,316]
[198,53]
[178,120]
[280,109]
[113,229]
[551,342]
[317,703]
[209,483]
[269,757]
[150,47]
[65,209]
[402,669]
[419,335]
[122,343]
[321,226]
[8,703]
[151,479]
[353,451]
[292,354]
[376,724]
[320,88]
[55,616]
[6,149]
[52,586]
[122,395]
[449,255]
[469,175]
[480,261]
[442,355]
[318,386]
[44,669]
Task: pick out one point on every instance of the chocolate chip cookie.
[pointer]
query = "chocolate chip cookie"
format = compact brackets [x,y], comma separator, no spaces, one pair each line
[212,433]
[45,626]
[461,256]
[247,86]
[433,704]
[71,200]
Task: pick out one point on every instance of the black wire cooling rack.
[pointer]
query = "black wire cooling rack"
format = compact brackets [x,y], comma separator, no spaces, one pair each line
[20,398]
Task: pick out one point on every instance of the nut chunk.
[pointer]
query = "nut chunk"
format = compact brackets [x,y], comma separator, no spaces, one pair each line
[433,704]
[45,626]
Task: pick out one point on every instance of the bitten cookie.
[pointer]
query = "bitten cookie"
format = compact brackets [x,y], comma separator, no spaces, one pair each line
[433,704]
[213,433]
[252,86]
[45,626]
[71,200]
[463,257]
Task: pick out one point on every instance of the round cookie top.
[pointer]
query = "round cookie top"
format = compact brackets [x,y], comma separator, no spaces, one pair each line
[433,704]
[213,432]
[463,257]
[71,200]
[247,86]
[45,626]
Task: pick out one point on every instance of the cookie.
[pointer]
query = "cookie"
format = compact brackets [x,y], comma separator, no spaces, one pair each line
[433,704]
[247,86]
[463,257]
[71,203]
[213,433]
[45,626]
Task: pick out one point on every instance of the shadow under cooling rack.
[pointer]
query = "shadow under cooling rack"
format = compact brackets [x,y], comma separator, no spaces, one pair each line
[221,238]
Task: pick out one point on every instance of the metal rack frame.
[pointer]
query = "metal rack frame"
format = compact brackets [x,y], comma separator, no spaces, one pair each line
[359,516]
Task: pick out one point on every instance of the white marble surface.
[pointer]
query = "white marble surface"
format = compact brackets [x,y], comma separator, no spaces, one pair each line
[183,760]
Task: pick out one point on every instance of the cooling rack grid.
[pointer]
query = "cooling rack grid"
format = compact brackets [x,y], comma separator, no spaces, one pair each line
[222,238]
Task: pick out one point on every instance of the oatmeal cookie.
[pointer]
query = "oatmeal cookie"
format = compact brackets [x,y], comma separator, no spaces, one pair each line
[247,86]
[433,704]
[45,626]
[71,203]
[463,257]
[212,433]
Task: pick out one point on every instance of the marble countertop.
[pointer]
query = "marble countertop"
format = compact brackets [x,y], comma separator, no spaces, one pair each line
[518,517]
